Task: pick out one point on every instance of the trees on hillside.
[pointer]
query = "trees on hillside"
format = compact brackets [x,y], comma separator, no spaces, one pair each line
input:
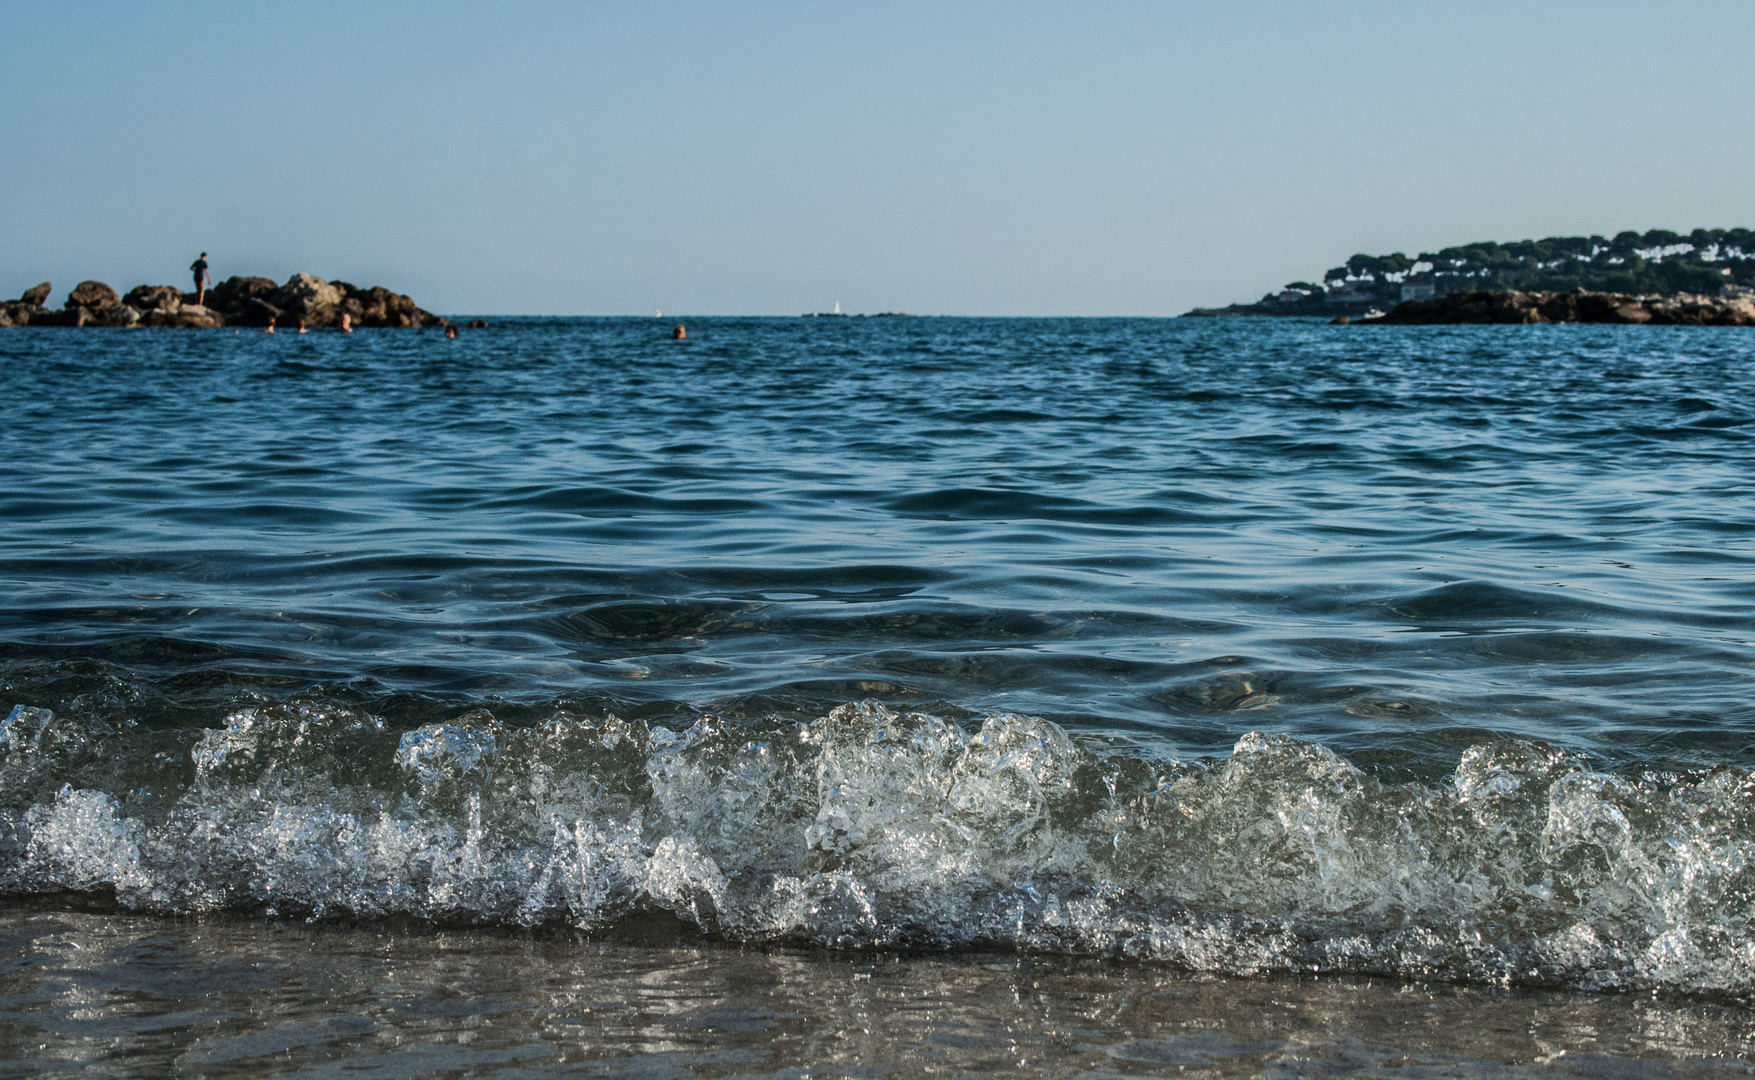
[1656,261]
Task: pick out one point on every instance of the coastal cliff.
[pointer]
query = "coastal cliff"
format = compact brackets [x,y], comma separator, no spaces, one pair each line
[1517,306]
[236,301]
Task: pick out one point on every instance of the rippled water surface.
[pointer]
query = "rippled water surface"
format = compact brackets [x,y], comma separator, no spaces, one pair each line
[1233,646]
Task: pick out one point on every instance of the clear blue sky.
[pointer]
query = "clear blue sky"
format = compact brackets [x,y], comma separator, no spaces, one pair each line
[1020,158]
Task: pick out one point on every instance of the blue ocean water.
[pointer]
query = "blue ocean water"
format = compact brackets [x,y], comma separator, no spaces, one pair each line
[1244,645]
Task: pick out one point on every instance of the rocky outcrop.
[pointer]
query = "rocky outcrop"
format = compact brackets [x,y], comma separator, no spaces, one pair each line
[119,315]
[254,301]
[378,306]
[91,303]
[232,297]
[20,312]
[154,298]
[1515,306]
[153,305]
[242,301]
[94,295]
[184,317]
[308,297]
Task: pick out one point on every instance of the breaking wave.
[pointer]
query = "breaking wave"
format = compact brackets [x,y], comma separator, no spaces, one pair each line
[870,828]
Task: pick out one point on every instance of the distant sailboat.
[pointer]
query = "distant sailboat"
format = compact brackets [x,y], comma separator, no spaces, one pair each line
[657,313]
[837,307]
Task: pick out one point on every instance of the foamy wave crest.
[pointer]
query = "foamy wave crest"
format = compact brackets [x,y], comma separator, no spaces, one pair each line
[868,828]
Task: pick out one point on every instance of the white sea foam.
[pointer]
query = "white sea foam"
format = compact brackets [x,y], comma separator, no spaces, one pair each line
[868,828]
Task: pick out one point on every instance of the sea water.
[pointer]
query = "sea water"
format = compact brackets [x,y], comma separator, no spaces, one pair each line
[890,696]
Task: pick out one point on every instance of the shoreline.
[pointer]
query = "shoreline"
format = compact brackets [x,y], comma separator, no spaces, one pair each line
[1519,307]
[381,997]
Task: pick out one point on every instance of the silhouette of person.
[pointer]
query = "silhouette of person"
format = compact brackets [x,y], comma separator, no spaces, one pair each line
[450,330]
[269,329]
[199,268]
[346,323]
[301,325]
[679,333]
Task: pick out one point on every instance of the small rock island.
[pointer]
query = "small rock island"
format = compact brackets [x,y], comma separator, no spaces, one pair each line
[236,301]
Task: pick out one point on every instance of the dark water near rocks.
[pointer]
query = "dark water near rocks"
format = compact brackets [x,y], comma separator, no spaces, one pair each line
[1144,652]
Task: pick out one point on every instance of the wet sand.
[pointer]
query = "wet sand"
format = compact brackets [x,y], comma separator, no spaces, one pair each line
[115,995]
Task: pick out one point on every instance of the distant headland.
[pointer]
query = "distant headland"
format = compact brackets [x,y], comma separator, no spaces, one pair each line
[1706,267]
[236,301]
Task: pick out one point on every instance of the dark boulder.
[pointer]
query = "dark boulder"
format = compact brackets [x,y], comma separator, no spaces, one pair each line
[154,298]
[1559,307]
[92,294]
[36,295]
[481,324]
[259,312]
[1596,307]
[233,295]
[378,306]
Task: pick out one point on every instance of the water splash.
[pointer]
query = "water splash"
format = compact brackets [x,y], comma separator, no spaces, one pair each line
[870,828]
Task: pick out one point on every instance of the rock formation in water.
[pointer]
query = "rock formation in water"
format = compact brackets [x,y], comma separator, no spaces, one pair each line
[19,312]
[254,301]
[1517,306]
[239,301]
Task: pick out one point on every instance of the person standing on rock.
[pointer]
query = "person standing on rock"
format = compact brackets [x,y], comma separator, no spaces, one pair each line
[199,268]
